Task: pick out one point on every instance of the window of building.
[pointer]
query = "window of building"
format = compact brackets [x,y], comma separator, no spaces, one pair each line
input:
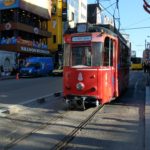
[83,5]
[54,38]
[72,16]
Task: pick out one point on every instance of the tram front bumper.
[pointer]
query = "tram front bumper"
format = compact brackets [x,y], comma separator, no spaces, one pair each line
[81,102]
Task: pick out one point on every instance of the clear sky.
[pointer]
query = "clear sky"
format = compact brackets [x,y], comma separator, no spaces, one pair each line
[132,15]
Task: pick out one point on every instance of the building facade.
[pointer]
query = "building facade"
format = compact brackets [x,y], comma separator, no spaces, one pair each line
[24,30]
[94,14]
[55,26]
[82,11]
[65,13]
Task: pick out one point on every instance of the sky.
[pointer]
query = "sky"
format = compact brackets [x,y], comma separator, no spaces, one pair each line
[132,15]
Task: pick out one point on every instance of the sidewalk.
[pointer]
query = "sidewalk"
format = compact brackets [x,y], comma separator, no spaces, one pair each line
[7,77]
[147,118]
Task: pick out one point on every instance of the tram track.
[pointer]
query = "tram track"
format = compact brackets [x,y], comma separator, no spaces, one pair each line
[50,123]
[67,139]
[20,118]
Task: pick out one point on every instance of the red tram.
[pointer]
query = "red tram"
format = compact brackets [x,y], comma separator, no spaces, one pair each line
[96,65]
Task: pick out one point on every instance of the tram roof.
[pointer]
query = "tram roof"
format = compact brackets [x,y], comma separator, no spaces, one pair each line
[107,28]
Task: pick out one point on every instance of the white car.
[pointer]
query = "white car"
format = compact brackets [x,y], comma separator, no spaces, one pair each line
[58,71]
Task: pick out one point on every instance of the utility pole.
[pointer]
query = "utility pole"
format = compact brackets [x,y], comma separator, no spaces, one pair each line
[97,1]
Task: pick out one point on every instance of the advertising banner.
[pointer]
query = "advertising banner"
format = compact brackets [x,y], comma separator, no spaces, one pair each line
[41,7]
[8,4]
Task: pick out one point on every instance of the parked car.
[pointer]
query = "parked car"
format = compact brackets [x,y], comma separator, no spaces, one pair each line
[37,66]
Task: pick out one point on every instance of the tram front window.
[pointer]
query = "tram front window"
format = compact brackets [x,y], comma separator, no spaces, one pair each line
[83,55]
[87,56]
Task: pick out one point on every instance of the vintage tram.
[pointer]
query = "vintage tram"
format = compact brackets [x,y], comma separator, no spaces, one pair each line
[96,65]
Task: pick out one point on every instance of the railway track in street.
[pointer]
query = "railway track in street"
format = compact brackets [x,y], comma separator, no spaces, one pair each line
[42,126]
[62,143]
[16,119]
[68,138]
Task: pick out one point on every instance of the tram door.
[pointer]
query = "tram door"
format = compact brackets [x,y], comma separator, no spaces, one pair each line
[109,68]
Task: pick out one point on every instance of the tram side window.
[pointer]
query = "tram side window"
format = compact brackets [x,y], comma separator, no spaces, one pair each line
[108,52]
[124,55]
[97,54]
[66,54]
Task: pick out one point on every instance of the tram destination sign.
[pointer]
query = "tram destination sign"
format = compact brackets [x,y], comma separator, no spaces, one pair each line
[81,38]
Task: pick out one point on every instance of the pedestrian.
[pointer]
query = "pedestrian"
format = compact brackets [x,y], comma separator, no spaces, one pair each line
[148,67]
[1,70]
[145,67]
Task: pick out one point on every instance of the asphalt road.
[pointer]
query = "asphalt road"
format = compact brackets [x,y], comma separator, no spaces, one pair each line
[120,125]
[14,91]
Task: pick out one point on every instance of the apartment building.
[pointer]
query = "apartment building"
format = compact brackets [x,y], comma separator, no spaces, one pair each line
[65,13]
[23,30]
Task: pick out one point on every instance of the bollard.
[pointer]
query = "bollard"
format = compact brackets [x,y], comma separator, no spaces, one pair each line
[17,76]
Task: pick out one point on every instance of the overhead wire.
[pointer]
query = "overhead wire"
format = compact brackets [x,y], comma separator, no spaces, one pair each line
[136,28]
[113,15]
[116,3]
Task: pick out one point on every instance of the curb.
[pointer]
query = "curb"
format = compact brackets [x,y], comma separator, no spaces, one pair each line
[147,118]
[7,78]
[5,110]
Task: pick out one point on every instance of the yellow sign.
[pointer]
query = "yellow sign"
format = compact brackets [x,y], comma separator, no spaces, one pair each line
[9,2]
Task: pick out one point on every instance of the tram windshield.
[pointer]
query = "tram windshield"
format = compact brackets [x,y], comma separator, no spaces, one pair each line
[83,55]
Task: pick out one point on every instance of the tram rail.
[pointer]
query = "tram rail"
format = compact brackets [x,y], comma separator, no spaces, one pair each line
[51,122]
[67,139]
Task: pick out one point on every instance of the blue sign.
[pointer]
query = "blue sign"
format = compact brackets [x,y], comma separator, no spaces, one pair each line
[8,4]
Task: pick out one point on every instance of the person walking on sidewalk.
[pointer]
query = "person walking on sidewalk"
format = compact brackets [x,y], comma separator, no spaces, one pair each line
[1,70]
[145,66]
[148,68]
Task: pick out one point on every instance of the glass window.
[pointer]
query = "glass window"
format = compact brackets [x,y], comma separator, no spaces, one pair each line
[35,65]
[108,52]
[97,54]
[72,16]
[136,60]
[54,38]
[81,56]
[124,55]
[66,54]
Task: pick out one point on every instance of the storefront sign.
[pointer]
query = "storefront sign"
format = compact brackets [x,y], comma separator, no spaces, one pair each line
[34,50]
[7,4]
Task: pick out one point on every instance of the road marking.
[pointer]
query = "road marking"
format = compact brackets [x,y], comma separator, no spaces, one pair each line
[3,95]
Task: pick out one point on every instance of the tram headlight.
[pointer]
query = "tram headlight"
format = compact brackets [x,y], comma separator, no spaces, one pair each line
[80,86]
